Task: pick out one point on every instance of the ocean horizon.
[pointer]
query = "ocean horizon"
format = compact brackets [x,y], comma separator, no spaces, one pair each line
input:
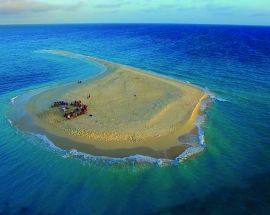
[136,23]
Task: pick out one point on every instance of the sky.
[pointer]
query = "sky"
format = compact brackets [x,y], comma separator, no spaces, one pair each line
[238,12]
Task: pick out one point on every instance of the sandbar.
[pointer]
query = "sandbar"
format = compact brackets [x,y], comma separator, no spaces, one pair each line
[132,112]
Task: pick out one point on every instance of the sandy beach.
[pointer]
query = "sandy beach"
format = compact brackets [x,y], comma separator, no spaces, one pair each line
[129,112]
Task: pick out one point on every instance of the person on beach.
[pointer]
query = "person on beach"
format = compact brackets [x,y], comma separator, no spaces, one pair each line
[67,115]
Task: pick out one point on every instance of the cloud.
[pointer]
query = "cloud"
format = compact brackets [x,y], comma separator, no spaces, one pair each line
[76,6]
[112,4]
[13,7]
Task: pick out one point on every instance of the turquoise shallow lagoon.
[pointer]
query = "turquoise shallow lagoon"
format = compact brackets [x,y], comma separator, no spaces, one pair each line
[230,176]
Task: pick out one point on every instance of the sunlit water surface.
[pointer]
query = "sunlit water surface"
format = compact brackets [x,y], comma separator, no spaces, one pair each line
[230,176]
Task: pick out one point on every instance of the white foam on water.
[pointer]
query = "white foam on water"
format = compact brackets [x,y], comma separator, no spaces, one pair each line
[10,122]
[132,159]
[198,124]
[12,100]
[220,99]
[73,153]
[215,97]
[189,152]
[48,143]
[204,104]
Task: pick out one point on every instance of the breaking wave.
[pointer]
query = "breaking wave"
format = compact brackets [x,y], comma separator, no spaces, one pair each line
[10,122]
[12,100]
[73,153]
[133,159]
[193,150]
[215,97]
[219,99]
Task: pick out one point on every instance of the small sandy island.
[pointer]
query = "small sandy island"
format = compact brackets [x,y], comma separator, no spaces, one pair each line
[129,112]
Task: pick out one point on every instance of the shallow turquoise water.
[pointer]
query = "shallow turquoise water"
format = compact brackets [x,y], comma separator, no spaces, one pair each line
[230,176]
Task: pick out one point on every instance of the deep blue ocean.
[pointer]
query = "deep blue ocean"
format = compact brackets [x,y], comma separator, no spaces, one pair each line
[232,174]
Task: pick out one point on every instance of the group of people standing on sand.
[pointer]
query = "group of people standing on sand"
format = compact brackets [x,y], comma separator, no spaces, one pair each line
[80,108]
[59,103]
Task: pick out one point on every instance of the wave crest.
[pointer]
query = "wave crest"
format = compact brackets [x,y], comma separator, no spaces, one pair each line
[215,97]
[12,100]
[73,153]
[133,159]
